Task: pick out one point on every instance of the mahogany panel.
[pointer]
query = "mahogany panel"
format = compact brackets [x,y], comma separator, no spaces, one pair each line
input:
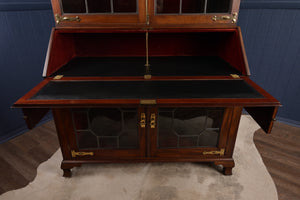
[232,132]
[264,116]
[65,132]
[61,52]
[268,100]
[110,44]
[32,116]
[224,43]
[231,50]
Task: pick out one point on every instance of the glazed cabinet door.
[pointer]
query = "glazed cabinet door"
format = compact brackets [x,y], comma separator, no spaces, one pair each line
[106,132]
[76,13]
[180,12]
[189,131]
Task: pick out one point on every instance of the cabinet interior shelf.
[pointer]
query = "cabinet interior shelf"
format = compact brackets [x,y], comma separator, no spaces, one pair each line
[134,66]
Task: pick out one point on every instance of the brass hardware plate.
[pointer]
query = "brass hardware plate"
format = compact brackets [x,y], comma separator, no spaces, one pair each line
[221,152]
[74,153]
[143,120]
[147,65]
[57,77]
[152,120]
[147,76]
[233,17]
[147,14]
[234,76]
[148,20]
[59,19]
[148,101]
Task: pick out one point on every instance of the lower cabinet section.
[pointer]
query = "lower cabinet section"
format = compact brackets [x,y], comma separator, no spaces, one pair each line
[147,134]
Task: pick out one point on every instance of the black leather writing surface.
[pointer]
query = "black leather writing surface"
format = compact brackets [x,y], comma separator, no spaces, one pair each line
[177,89]
[160,66]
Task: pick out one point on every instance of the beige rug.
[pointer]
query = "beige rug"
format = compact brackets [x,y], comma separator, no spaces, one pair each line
[168,181]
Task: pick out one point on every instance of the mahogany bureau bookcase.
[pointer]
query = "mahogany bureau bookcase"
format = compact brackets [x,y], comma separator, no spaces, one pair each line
[147,81]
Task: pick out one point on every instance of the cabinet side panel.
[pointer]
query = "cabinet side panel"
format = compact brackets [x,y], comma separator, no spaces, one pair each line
[264,116]
[235,121]
[64,128]
[61,52]
[231,50]
[32,116]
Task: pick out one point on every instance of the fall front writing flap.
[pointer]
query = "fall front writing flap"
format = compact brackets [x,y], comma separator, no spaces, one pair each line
[145,13]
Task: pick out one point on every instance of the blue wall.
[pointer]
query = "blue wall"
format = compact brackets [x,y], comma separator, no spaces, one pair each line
[271,34]
[271,31]
[24,33]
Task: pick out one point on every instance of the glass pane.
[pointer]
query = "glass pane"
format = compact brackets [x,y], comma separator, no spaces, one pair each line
[73,6]
[129,139]
[99,6]
[193,6]
[125,6]
[189,121]
[208,138]
[188,142]
[167,6]
[189,127]
[106,121]
[108,143]
[86,140]
[218,6]
[102,128]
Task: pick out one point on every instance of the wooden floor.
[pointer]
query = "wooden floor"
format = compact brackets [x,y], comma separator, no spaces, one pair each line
[20,157]
[280,152]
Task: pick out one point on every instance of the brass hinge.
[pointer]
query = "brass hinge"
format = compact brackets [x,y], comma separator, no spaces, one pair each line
[152,120]
[57,77]
[59,19]
[233,17]
[143,120]
[148,20]
[234,76]
[221,152]
[147,14]
[148,101]
[74,153]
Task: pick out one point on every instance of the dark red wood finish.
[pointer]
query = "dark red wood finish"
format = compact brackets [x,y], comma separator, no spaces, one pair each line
[268,100]
[98,35]
[70,43]
[148,151]
[33,116]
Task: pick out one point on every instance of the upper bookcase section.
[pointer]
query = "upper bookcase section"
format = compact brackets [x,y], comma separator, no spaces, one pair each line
[145,13]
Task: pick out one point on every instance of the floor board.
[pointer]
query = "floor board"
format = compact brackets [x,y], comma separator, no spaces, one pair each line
[280,151]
